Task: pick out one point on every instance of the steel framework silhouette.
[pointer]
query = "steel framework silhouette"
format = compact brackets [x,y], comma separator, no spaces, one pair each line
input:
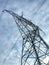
[34,48]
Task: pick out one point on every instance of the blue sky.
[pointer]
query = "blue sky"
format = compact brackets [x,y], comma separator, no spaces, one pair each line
[10,39]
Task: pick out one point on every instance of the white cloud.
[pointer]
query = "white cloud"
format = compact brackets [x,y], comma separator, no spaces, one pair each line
[46,60]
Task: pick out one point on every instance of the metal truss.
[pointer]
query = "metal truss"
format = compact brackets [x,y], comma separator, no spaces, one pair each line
[34,48]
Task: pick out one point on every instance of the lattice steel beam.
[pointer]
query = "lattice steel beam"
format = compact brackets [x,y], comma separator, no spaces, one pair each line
[34,48]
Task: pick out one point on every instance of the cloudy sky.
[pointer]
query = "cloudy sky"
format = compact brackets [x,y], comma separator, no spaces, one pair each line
[35,10]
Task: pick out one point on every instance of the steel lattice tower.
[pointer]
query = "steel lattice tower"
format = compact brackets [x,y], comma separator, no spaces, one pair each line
[34,48]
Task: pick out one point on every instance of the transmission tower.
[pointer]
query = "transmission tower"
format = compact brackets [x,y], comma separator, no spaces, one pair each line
[34,48]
